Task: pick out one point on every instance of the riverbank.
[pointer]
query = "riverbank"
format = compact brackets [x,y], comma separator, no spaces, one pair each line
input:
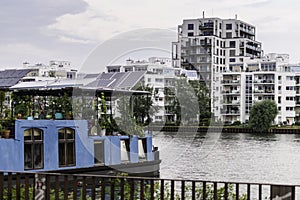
[225,129]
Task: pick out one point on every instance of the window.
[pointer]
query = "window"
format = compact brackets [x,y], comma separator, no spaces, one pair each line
[289,88]
[231,59]
[232,44]
[159,80]
[125,150]
[190,26]
[289,108]
[99,152]
[231,53]
[190,34]
[289,98]
[228,26]
[142,148]
[33,149]
[289,78]
[66,147]
[228,35]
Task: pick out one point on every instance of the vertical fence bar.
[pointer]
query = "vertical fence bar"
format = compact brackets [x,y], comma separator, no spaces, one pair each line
[56,187]
[122,188]
[83,191]
[102,188]
[75,187]
[48,177]
[26,186]
[293,193]
[237,191]
[259,192]
[93,188]
[248,191]
[9,186]
[193,190]
[215,191]
[18,184]
[112,188]
[172,189]
[152,189]
[182,189]
[65,186]
[162,191]
[1,184]
[226,191]
[132,189]
[142,195]
[204,190]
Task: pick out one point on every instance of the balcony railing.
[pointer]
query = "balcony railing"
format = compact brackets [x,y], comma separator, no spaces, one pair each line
[231,81]
[67,186]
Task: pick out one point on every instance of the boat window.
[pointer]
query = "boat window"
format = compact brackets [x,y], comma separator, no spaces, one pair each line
[142,147]
[33,149]
[66,147]
[99,152]
[125,150]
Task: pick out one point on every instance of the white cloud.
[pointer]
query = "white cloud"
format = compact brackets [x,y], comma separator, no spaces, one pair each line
[73,40]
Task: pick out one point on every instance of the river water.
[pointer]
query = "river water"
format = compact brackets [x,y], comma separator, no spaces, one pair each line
[233,157]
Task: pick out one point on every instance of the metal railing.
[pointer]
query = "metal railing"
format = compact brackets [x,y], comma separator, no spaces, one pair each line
[66,186]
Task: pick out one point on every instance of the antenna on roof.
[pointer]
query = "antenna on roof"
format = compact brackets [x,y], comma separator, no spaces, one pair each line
[235,16]
[203,14]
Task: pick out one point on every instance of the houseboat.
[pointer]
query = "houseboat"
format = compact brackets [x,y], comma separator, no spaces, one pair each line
[53,138]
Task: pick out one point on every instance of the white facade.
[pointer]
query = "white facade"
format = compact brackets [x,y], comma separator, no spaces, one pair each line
[268,78]
[210,46]
[55,69]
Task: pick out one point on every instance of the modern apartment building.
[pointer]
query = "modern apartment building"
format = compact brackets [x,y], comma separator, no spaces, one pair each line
[55,69]
[226,56]
[212,46]
[267,78]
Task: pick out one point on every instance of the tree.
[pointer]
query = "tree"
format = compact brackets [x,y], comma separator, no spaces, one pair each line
[262,115]
[204,101]
[191,99]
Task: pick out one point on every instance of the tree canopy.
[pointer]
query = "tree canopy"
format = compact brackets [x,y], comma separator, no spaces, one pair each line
[262,115]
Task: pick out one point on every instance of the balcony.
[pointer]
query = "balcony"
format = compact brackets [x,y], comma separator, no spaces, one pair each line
[231,92]
[233,102]
[230,82]
[230,112]
[264,91]
[267,81]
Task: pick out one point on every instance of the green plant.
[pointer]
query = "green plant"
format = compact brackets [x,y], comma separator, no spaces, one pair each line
[236,123]
[262,115]
[103,119]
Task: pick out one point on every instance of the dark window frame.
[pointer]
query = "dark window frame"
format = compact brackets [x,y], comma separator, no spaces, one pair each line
[33,142]
[66,141]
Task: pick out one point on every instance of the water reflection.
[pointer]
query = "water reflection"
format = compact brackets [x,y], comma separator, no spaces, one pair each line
[232,157]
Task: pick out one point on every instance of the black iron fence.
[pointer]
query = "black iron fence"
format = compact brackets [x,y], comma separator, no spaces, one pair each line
[66,186]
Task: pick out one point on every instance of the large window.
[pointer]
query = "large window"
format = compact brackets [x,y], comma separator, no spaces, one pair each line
[33,149]
[125,150]
[99,152]
[190,26]
[66,147]
[142,147]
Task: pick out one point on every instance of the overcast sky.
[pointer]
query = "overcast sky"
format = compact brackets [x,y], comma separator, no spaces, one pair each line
[38,31]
